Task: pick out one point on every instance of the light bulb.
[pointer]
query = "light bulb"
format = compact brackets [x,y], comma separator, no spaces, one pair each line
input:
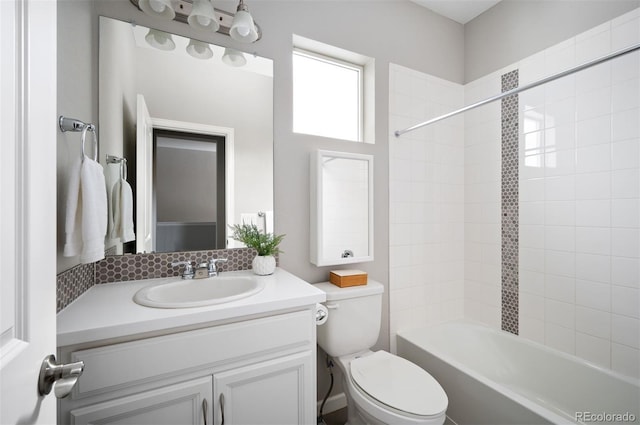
[243,31]
[203,20]
[157,6]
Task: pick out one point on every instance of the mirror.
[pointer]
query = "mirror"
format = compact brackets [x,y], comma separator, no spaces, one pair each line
[144,90]
[341,208]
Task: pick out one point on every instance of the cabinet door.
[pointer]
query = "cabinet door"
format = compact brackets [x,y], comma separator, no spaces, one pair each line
[184,403]
[278,392]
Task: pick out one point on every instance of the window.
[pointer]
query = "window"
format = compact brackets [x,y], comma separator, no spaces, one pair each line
[327,96]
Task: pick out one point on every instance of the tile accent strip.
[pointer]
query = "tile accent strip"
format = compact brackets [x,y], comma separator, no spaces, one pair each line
[72,283]
[119,268]
[510,221]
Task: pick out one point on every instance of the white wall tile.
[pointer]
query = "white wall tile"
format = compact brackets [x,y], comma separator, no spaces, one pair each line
[625,183]
[625,271]
[595,268]
[560,338]
[593,240]
[561,188]
[625,330]
[559,238]
[593,322]
[625,243]
[625,125]
[559,313]
[595,213]
[595,295]
[560,288]
[625,301]
[595,158]
[625,95]
[625,213]
[593,349]
[593,185]
[625,360]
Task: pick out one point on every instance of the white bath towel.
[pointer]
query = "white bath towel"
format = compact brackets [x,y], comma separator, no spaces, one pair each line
[86,218]
[122,198]
[73,210]
[94,211]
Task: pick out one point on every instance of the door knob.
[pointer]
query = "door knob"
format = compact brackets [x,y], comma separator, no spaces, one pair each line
[64,376]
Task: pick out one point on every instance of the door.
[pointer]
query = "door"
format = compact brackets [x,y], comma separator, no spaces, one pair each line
[188,191]
[186,403]
[144,178]
[276,392]
[28,123]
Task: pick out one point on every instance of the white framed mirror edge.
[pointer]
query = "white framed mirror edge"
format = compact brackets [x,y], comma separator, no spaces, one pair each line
[315,191]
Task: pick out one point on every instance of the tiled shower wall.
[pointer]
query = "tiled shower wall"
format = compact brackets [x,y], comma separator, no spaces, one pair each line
[579,190]
[426,172]
[579,203]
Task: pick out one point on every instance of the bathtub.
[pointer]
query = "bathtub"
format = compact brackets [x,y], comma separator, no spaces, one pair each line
[493,377]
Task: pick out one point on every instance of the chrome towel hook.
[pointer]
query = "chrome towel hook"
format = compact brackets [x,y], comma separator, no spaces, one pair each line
[73,124]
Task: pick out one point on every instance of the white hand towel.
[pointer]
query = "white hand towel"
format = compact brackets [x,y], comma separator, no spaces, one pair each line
[126,212]
[123,211]
[73,221]
[268,219]
[112,175]
[94,211]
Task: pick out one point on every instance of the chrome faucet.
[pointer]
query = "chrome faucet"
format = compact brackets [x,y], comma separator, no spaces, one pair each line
[213,266]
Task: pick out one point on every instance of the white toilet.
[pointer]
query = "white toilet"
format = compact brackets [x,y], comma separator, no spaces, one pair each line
[381,388]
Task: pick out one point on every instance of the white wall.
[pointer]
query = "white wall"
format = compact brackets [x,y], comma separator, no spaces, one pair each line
[426,202]
[515,29]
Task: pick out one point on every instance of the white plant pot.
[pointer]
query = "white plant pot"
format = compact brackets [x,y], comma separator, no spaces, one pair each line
[263,265]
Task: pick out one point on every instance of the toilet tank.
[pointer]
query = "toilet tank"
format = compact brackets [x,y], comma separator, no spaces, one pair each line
[354,318]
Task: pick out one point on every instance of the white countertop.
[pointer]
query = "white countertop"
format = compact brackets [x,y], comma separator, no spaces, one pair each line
[107,311]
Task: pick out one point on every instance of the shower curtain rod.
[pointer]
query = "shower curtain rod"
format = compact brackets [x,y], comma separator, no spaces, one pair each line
[517,90]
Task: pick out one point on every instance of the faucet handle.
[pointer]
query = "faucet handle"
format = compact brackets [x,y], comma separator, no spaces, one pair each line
[188,268]
[213,265]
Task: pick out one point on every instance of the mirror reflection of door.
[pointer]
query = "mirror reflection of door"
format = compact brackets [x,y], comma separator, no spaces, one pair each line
[188,191]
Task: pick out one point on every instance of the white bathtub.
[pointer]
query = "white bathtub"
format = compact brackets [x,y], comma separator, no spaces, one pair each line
[493,377]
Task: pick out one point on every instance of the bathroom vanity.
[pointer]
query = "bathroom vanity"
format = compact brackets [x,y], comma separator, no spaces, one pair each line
[251,360]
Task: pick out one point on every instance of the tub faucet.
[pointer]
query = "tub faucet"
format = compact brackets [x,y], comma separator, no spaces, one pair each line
[213,266]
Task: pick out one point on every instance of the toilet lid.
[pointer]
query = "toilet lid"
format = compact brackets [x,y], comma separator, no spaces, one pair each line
[398,383]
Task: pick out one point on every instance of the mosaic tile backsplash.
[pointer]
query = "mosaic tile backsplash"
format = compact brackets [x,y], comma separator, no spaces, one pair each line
[120,268]
[510,212]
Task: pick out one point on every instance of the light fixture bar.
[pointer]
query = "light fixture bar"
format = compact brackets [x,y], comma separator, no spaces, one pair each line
[183,10]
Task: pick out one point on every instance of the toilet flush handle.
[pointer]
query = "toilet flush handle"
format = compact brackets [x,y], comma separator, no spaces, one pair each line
[332,306]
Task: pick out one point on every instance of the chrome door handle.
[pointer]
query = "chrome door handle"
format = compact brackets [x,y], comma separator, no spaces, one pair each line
[64,376]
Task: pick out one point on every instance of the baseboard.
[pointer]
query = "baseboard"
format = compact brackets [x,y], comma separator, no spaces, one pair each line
[335,402]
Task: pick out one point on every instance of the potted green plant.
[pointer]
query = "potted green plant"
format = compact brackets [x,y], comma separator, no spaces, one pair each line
[266,244]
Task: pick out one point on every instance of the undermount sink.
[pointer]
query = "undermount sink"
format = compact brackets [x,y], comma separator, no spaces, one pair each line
[198,292]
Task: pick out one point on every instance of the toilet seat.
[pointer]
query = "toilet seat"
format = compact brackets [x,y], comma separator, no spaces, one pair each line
[398,384]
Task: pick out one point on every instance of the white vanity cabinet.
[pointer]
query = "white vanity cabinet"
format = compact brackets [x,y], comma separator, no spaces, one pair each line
[253,371]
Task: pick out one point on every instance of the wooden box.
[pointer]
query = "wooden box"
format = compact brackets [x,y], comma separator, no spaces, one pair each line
[345,278]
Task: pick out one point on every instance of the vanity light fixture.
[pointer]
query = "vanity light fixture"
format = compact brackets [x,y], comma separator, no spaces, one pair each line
[233,58]
[201,15]
[199,49]
[160,40]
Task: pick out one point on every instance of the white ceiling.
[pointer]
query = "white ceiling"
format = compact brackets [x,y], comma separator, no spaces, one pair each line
[459,10]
